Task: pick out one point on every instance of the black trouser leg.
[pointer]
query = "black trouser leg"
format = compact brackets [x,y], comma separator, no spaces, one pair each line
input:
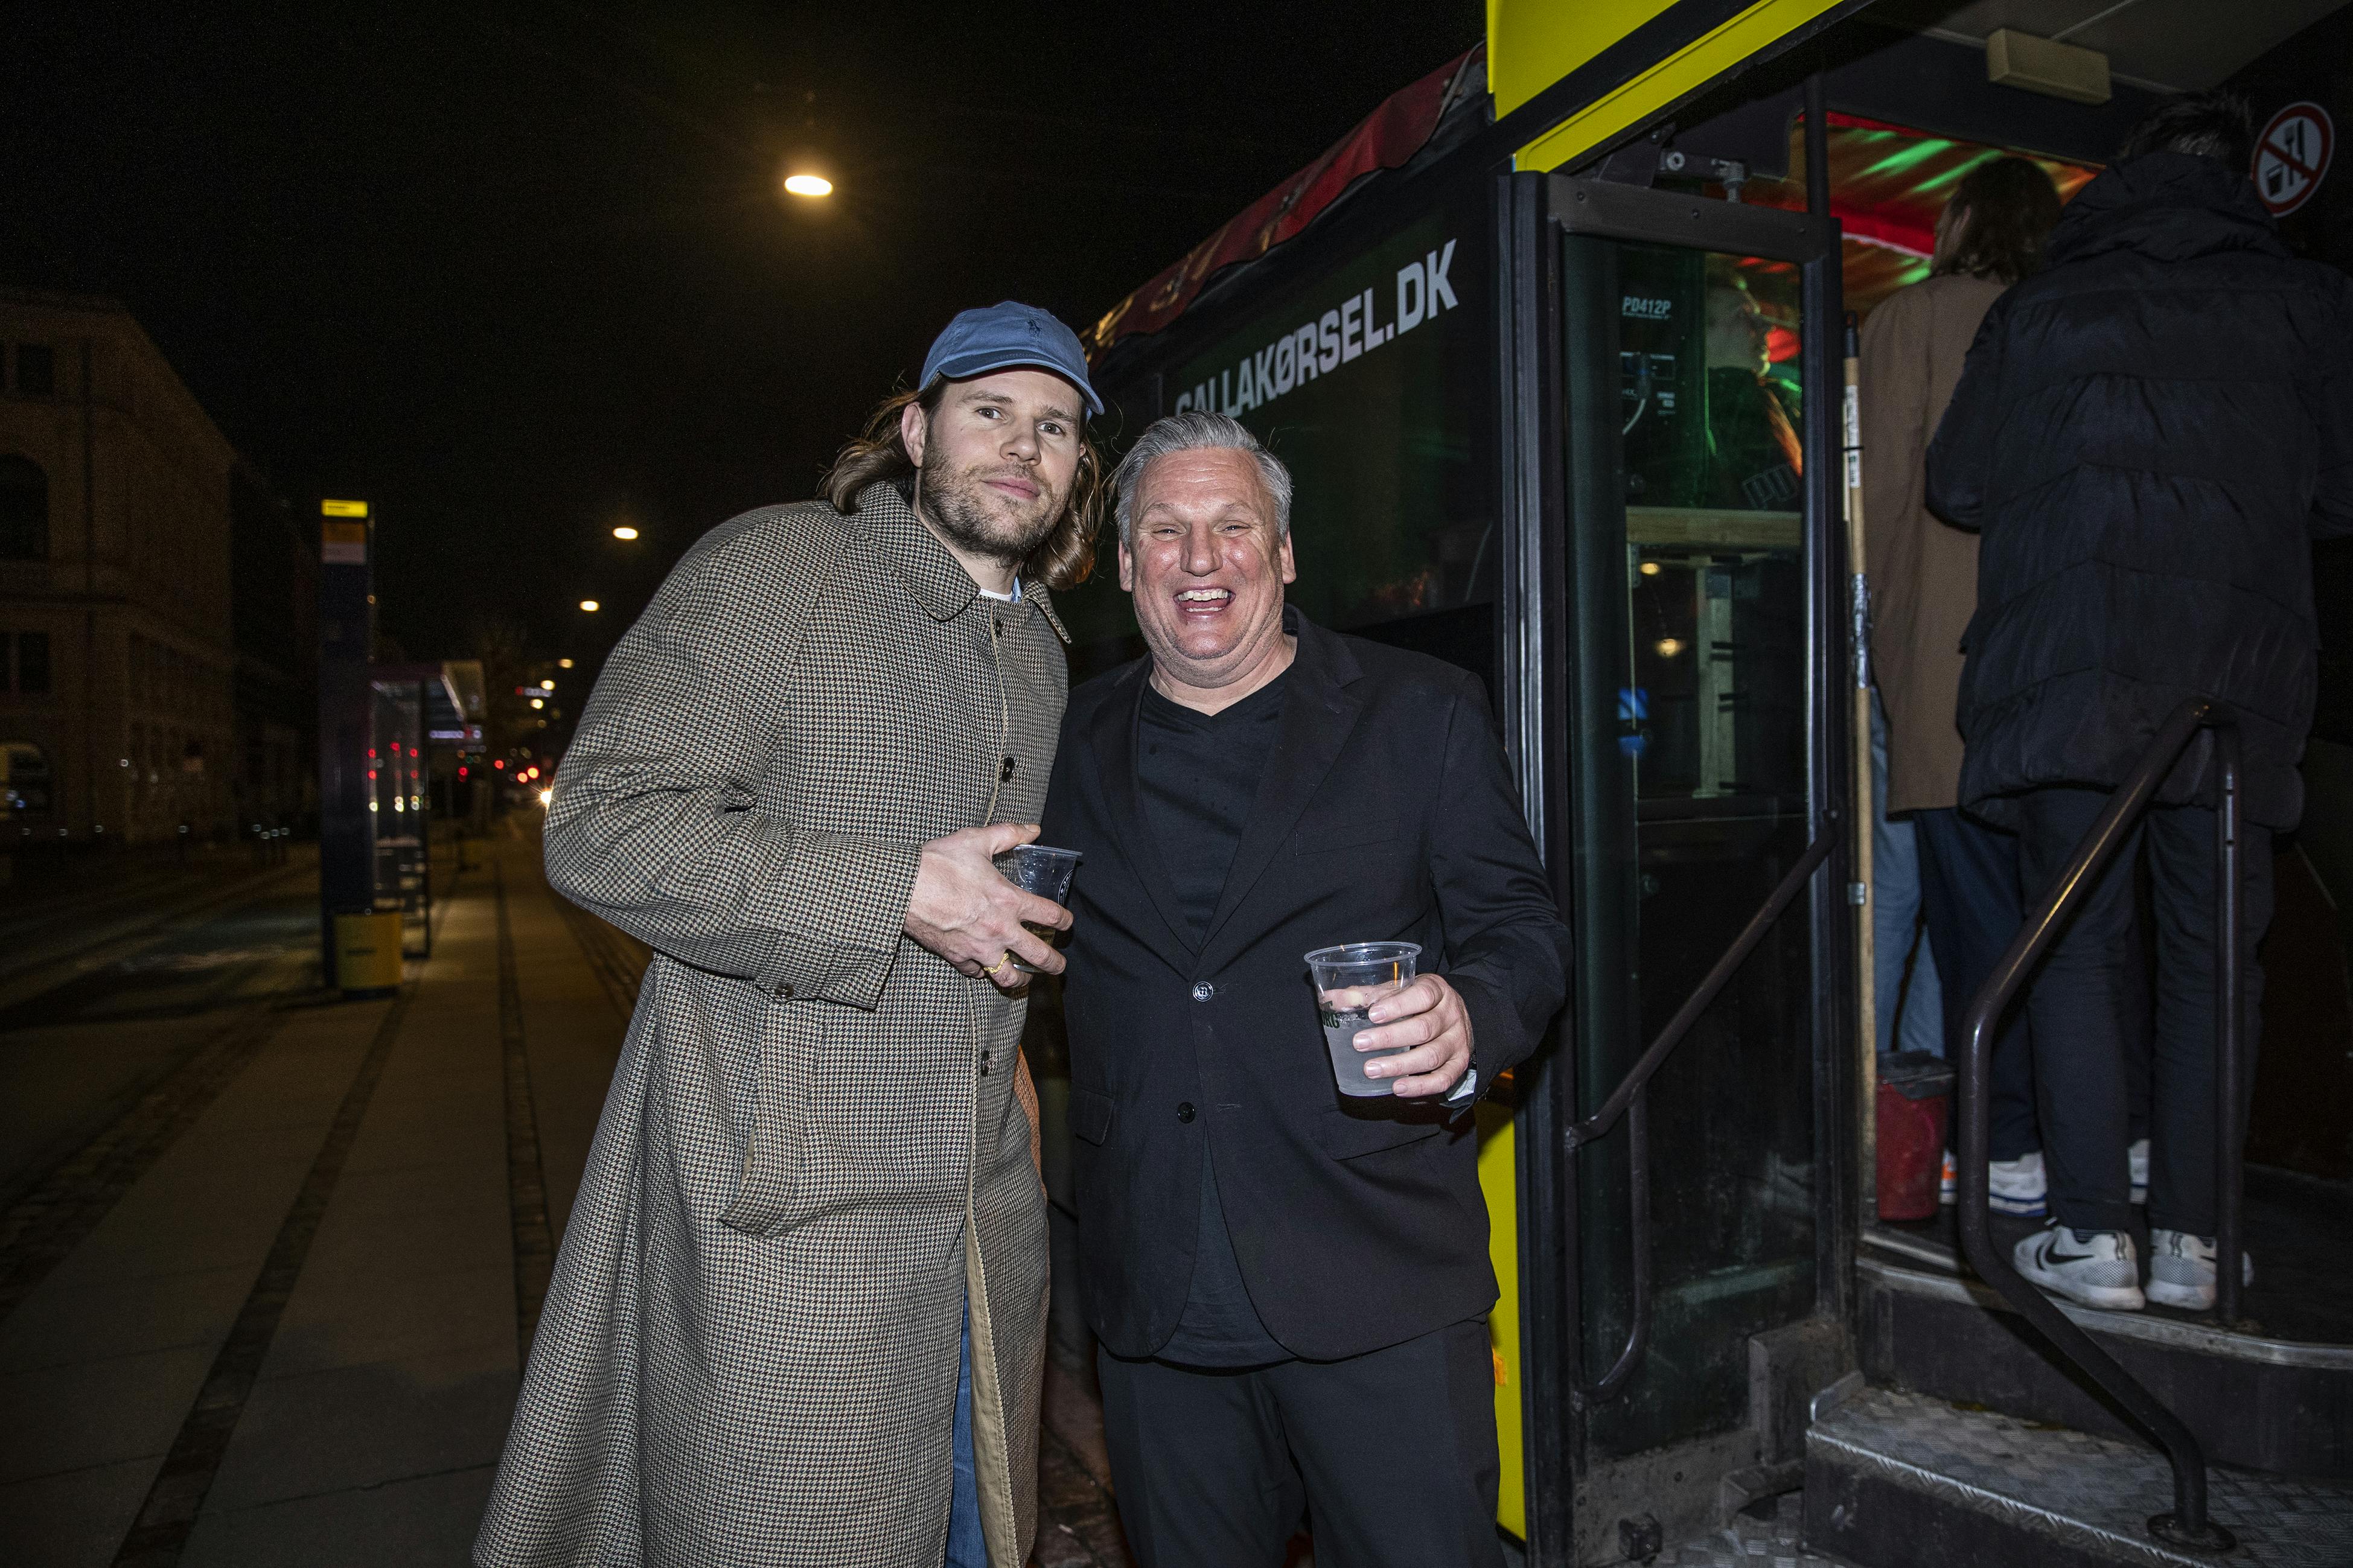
[2182,1109]
[1198,1461]
[1398,1448]
[1969,900]
[2078,1006]
[1394,1452]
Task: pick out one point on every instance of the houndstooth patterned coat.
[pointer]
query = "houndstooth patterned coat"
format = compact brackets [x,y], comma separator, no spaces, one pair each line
[811,1151]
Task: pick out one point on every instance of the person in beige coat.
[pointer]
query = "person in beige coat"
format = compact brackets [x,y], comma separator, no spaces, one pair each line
[1923,581]
[799,1317]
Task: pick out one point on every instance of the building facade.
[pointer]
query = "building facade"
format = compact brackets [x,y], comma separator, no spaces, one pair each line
[129,711]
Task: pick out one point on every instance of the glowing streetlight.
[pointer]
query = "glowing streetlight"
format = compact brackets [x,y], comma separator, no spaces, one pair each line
[546,795]
[563,664]
[590,605]
[625,532]
[547,686]
[810,185]
[538,702]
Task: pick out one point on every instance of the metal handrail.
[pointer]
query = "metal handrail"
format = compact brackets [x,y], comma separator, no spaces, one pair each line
[2187,1525]
[1630,1100]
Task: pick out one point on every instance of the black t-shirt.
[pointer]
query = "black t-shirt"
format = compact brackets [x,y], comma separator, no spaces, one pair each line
[1197,775]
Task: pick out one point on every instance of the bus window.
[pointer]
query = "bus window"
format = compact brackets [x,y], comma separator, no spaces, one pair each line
[1686,523]
[1710,414]
[1370,382]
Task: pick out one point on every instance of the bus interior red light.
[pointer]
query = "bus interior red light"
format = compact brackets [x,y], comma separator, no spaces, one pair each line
[1888,185]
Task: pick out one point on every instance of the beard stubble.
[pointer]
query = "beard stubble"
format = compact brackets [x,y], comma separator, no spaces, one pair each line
[953,501]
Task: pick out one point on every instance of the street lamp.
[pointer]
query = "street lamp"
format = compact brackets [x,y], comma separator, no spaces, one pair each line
[590,605]
[547,686]
[625,532]
[810,185]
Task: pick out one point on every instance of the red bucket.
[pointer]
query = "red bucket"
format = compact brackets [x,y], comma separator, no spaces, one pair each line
[1914,1106]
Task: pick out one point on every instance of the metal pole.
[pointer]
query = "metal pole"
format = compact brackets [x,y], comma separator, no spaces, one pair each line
[89,597]
[2187,1525]
[2229,1025]
[1792,883]
[1630,1099]
[1638,1212]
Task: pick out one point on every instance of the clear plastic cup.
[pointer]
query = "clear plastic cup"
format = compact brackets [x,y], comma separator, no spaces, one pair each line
[1348,980]
[1035,868]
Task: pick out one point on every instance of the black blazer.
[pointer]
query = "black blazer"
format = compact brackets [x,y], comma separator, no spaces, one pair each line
[1387,812]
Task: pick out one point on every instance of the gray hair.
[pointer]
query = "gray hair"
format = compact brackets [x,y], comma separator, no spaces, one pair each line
[1199,430]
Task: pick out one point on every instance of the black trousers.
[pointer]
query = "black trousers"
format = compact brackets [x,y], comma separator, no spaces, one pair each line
[1391,1454]
[1970,902]
[2083,1010]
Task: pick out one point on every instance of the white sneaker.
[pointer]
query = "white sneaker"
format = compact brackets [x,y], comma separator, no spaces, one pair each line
[2018,1186]
[2181,1270]
[2138,1156]
[2096,1268]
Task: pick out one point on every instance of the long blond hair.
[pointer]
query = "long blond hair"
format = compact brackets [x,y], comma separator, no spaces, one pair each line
[1063,559]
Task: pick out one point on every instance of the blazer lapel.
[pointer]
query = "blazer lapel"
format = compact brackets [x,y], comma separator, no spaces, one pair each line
[1114,747]
[1318,713]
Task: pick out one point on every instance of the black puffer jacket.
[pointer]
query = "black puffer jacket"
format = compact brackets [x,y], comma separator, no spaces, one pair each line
[2149,432]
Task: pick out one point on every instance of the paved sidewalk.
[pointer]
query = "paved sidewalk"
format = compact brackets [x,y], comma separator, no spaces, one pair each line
[267,1258]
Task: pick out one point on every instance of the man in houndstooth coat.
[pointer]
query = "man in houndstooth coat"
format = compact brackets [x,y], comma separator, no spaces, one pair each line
[814,1178]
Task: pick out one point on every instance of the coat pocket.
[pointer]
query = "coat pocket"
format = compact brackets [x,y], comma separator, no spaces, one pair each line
[1091,1116]
[1345,1137]
[770,1197]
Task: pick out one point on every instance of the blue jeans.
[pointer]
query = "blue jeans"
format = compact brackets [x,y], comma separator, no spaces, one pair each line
[1970,897]
[1894,915]
[967,1547]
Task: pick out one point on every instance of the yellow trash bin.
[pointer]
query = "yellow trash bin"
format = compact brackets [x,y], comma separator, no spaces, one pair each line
[367,954]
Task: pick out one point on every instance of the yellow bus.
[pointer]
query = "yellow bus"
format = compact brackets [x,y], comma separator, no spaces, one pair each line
[1482,331]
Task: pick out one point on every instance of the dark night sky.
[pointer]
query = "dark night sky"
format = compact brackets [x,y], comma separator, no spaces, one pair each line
[516,272]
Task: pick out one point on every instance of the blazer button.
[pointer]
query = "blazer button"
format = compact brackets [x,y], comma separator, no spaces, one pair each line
[1203,991]
[1184,1111]
[1005,772]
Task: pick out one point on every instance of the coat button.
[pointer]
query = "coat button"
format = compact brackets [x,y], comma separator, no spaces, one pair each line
[984,1063]
[784,992]
[1184,1111]
[1203,991]
[1005,772]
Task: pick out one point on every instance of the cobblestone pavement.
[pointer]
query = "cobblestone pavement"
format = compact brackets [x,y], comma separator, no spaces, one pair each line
[268,1258]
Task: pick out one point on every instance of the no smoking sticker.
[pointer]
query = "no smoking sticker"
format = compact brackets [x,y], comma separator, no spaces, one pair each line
[2292,155]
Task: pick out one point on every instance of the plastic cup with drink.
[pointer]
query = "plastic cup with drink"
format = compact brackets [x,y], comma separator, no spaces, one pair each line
[1035,868]
[1348,980]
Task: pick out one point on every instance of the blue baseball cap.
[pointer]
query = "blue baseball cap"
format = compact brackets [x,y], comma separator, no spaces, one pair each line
[1004,336]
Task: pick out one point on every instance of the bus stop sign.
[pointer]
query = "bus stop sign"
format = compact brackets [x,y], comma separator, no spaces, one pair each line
[2292,155]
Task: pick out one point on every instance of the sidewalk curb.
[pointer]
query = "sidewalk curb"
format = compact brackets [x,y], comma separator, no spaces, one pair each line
[46,972]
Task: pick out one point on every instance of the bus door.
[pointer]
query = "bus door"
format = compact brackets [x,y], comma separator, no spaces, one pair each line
[1689,641]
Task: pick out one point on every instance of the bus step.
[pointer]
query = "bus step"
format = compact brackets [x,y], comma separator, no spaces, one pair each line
[2253,1401]
[1902,1479]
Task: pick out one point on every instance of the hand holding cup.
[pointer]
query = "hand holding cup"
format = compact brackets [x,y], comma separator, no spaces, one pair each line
[1428,1019]
[964,910]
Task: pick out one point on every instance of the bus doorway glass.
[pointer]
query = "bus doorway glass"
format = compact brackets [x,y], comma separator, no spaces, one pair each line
[1687,540]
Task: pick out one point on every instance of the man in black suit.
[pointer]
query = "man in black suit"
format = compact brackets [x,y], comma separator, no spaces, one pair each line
[1289,1287]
